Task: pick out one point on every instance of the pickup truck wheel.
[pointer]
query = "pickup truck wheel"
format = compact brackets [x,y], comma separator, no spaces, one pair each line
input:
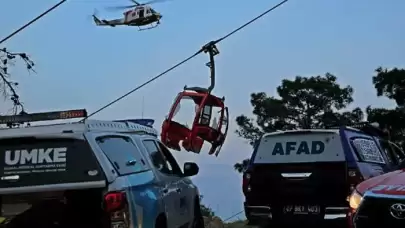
[198,220]
[161,221]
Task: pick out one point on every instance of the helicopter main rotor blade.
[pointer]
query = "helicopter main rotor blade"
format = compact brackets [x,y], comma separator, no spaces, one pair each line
[136,3]
[154,1]
[114,8]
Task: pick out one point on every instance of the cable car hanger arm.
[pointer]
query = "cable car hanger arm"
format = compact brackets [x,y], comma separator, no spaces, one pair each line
[212,50]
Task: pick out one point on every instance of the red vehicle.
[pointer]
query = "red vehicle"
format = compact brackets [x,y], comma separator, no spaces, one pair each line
[379,201]
[205,127]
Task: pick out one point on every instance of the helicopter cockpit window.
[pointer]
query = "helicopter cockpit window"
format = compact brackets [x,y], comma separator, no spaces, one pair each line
[141,13]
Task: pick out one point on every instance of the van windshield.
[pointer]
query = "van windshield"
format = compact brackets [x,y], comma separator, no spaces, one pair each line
[29,162]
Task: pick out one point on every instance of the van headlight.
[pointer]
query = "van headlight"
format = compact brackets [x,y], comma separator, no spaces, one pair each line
[355,200]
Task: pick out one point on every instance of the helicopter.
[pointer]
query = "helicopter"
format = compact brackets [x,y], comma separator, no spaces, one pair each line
[140,15]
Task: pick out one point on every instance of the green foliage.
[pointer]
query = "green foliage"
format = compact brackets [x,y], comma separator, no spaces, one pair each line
[391,84]
[206,211]
[305,102]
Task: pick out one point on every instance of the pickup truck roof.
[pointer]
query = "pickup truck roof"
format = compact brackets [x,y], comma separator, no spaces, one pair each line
[54,156]
[85,126]
[135,126]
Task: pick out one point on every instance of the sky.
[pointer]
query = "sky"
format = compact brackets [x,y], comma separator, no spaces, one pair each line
[80,65]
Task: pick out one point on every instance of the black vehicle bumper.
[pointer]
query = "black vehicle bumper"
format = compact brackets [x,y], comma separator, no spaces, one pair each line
[375,210]
[264,214]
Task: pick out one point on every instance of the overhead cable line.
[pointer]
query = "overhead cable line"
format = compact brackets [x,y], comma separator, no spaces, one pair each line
[32,21]
[187,59]
[233,215]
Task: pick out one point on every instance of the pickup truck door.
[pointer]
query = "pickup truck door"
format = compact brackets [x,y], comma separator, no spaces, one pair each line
[184,187]
[168,182]
[187,198]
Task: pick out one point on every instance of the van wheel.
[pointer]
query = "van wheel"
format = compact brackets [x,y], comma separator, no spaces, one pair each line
[161,221]
[198,220]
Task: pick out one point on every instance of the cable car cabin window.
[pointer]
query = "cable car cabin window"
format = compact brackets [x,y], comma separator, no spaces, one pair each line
[122,153]
[206,115]
[134,14]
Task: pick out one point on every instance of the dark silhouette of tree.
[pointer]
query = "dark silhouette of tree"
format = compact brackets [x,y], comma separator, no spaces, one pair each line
[305,102]
[206,211]
[7,85]
[391,84]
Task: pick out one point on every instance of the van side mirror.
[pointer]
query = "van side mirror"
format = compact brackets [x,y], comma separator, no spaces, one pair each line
[190,169]
[401,165]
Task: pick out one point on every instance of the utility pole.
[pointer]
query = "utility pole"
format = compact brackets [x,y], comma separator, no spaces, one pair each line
[143,105]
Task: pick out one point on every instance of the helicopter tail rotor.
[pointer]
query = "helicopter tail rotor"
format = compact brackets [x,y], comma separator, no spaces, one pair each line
[93,16]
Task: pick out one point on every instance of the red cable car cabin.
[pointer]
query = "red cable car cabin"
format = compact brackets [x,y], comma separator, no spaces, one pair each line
[193,139]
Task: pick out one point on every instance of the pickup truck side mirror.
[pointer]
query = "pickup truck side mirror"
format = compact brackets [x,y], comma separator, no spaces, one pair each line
[190,169]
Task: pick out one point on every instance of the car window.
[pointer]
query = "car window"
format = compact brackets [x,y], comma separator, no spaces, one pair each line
[169,157]
[122,153]
[398,152]
[367,150]
[388,150]
[157,158]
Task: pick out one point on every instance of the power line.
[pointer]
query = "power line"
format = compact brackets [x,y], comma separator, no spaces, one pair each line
[253,20]
[32,21]
[233,215]
[187,59]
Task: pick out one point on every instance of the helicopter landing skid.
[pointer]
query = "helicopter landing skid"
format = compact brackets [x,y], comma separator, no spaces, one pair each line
[150,27]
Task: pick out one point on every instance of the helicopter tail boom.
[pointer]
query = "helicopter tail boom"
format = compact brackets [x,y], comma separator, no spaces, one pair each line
[96,20]
[111,23]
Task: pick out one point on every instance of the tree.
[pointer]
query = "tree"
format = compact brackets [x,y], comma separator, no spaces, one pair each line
[391,84]
[305,102]
[7,86]
[206,211]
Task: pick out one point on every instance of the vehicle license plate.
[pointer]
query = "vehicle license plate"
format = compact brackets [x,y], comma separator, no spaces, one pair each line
[302,209]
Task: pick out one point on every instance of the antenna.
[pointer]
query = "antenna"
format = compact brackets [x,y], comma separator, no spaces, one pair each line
[143,105]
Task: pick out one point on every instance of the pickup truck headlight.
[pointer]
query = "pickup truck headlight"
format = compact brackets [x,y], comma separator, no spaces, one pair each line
[355,200]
